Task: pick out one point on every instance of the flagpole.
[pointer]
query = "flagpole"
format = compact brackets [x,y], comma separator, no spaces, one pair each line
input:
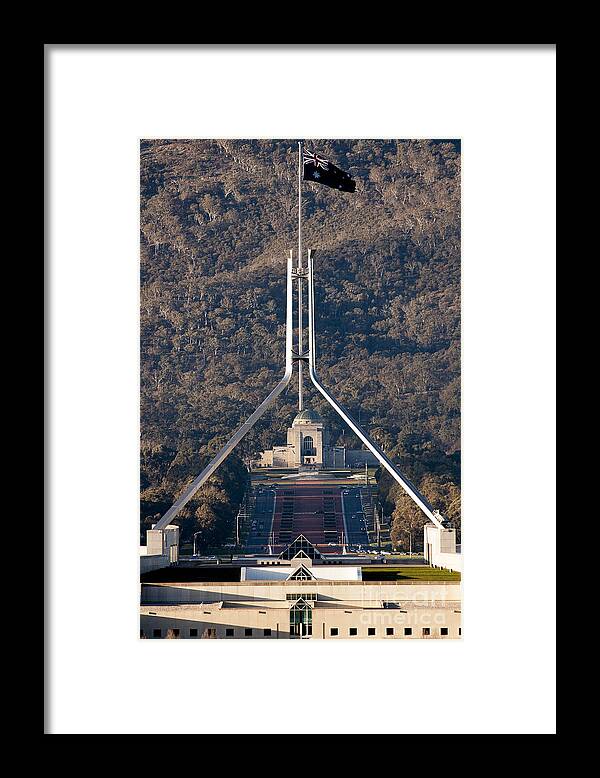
[300,314]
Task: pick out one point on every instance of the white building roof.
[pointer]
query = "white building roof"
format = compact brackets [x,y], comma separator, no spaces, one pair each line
[320,573]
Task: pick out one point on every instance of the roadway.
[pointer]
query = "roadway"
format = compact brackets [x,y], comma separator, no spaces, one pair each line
[309,509]
[357,534]
[262,519]
[314,510]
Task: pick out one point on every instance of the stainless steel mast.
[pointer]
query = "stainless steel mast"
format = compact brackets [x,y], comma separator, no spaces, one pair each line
[191,490]
[299,277]
[300,356]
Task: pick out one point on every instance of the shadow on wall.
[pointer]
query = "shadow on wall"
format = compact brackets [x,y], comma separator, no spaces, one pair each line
[182,574]
[177,595]
[154,626]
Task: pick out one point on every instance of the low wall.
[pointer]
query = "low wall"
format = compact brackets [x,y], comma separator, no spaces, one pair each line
[447,561]
[440,549]
[150,562]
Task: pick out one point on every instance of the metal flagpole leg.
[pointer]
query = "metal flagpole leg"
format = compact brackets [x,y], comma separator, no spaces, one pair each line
[408,487]
[300,312]
[191,490]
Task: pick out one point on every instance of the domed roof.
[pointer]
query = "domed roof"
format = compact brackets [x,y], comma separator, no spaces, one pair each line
[307,417]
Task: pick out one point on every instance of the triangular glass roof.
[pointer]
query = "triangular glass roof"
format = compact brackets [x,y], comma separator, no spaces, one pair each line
[300,544]
[300,604]
[301,574]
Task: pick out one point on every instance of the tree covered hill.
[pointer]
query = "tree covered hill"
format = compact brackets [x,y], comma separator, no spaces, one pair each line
[218,218]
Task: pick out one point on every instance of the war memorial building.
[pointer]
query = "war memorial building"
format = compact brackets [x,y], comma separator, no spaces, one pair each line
[308,444]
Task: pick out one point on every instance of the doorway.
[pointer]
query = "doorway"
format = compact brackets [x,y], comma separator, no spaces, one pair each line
[300,620]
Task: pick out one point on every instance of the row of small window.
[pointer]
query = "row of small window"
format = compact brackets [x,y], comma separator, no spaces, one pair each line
[333,631]
[372,631]
[210,632]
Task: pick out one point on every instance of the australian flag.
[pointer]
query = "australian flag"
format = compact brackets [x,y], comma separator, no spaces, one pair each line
[320,171]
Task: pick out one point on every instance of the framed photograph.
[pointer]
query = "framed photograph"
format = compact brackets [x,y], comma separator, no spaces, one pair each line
[301,386]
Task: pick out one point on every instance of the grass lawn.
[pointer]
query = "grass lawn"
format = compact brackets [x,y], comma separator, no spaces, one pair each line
[407,573]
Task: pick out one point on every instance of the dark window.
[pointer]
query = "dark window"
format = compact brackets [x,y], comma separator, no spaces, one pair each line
[175,633]
[301,574]
[193,633]
[371,631]
[228,632]
[459,631]
[267,633]
[389,630]
[156,633]
[300,544]
[248,632]
[353,631]
[300,619]
[408,630]
[426,631]
[333,631]
[444,631]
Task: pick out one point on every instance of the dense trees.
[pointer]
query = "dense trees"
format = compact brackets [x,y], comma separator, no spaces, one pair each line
[408,519]
[210,513]
[217,221]
[436,475]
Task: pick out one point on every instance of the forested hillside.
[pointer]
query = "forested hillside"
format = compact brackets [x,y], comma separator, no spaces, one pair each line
[218,218]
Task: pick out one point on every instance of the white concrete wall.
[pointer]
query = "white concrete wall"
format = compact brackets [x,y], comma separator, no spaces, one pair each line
[357,592]
[265,460]
[161,549]
[439,548]
[348,623]
[280,457]
[153,562]
[283,572]
[448,561]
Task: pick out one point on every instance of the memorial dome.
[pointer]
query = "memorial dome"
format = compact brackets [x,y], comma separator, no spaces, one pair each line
[307,417]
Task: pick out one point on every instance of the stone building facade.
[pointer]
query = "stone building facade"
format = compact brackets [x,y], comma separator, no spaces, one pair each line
[308,445]
[302,598]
